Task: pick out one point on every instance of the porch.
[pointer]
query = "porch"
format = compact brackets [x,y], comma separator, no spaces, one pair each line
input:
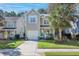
[7,33]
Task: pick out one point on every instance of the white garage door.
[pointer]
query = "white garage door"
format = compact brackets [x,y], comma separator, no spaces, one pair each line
[32,35]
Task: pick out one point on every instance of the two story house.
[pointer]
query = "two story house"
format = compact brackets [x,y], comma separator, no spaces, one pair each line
[35,23]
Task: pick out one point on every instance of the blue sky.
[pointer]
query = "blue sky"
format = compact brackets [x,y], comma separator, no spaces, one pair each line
[17,7]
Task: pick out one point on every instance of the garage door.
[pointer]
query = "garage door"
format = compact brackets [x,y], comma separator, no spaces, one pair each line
[32,35]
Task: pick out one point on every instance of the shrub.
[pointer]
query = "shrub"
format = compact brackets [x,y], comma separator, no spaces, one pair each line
[2,46]
[11,45]
[17,36]
[49,37]
[41,36]
[67,35]
[77,37]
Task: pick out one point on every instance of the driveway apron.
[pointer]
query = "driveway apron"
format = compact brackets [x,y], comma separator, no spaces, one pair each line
[28,48]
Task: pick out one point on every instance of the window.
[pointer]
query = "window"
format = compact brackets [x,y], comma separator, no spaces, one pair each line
[32,19]
[10,25]
[14,24]
[45,21]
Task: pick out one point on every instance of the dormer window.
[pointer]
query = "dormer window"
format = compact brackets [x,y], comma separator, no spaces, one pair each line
[32,19]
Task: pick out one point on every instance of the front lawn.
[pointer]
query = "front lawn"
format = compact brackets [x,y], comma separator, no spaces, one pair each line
[51,44]
[62,53]
[5,44]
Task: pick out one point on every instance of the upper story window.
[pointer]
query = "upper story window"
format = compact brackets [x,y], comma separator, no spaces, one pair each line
[46,22]
[14,23]
[10,24]
[32,19]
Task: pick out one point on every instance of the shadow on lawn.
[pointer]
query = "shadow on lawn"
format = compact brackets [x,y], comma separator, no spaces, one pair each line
[69,42]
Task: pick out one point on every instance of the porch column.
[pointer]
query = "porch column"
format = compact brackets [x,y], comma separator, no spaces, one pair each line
[5,35]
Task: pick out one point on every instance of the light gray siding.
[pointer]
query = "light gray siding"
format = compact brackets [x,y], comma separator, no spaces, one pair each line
[33,26]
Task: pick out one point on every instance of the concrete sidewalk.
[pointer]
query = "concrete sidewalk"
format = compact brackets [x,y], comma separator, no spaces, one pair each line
[58,50]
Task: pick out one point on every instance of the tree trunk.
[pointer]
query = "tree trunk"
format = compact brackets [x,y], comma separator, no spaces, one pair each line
[54,33]
[71,34]
[71,30]
[60,34]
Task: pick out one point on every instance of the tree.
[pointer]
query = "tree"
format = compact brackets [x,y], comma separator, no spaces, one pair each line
[1,13]
[42,11]
[12,13]
[57,21]
[6,13]
[20,14]
[9,14]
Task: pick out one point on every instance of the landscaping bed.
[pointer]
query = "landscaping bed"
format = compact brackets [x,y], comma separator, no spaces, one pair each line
[51,44]
[10,44]
[62,53]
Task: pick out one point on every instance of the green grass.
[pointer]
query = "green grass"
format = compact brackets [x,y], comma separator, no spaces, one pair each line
[51,44]
[4,44]
[62,53]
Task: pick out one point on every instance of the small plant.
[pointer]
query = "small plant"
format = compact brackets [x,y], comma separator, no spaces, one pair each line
[11,45]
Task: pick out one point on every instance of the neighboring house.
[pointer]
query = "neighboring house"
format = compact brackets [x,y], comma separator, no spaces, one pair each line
[1,27]
[10,26]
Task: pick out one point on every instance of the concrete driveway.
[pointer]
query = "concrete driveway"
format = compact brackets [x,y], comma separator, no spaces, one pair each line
[29,48]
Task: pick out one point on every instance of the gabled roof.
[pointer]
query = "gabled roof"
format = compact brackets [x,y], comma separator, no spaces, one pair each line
[33,11]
